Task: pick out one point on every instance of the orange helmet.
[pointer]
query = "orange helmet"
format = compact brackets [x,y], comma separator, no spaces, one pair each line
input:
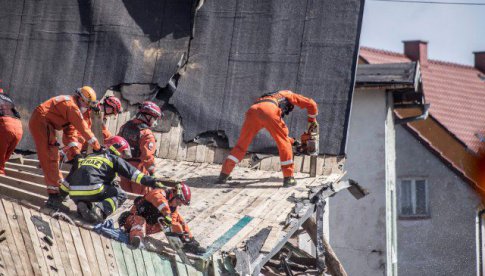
[87,95]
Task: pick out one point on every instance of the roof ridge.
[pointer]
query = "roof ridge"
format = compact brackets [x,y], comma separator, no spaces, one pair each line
[435,61]
[382,51]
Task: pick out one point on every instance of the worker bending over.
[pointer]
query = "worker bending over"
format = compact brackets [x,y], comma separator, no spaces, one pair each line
[142,142]
[73,141]
[92,185]
[10,128]
[267,112]
[158,211]
[55,114]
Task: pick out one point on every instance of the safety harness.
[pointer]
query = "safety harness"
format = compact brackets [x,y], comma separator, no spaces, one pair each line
[277,99]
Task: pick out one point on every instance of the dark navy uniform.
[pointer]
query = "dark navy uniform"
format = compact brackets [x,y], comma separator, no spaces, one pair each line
[93,180]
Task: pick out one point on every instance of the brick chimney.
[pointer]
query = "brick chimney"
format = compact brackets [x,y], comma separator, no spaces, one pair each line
[417,50]
[480,61]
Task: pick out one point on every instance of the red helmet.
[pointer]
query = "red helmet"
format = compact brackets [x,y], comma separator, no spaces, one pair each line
[119,146]
[114,103]
[182,192]
[150,108]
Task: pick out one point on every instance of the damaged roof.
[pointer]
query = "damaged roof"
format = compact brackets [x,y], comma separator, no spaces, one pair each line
[223,218]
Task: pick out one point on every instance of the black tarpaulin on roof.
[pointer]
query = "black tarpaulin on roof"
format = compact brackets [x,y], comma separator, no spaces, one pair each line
[240,50]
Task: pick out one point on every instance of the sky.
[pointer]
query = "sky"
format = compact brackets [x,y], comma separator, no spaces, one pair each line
[453,32]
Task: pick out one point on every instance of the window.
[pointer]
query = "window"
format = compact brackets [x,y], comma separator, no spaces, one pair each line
[413,201]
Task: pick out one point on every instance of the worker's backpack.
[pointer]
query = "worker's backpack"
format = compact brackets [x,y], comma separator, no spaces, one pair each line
[131,131]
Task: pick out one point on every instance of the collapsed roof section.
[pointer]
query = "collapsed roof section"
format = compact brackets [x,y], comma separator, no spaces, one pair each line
[225,219]
[239,50]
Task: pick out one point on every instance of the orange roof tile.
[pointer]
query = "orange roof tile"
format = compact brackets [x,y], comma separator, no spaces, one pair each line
[456,93]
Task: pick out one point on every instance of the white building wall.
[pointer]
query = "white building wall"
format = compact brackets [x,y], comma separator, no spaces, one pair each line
[358,227]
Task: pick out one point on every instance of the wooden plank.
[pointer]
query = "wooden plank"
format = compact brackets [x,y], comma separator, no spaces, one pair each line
[129,260]
[209,155]
[174,142]
[98,250]
[191,152]
[182,150]
[61,246]
[28,168]
[139,262]
[90,254]
[54,248]
[81,251]
[298,161]
[120,259]
[320,164]
[147,260]
[19,243]
[39,248]
[306,164]
[181,267]
[272,239]
[24,184]
[219,155]
[70,247]
[110,257]
[162,265]
[200,151]
[9,245]
[164,145]
[31,177]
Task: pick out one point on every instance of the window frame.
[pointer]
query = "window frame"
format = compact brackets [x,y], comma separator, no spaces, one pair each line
[413,180]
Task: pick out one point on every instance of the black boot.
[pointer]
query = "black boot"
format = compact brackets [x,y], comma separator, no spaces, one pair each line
[223,178]
[194,247]
[54,202]
[135,242]
[289,181]
[90,212]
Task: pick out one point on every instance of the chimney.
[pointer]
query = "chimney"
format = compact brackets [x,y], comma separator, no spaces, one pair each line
[480,61]
[417,50]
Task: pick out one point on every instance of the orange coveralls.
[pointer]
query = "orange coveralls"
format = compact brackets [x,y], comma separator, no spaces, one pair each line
[144,163]
[138,226]
[267,115]
[56,114]
[11,132]
[73,141]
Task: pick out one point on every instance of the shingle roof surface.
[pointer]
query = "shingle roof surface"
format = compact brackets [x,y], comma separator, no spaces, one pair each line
[456,93]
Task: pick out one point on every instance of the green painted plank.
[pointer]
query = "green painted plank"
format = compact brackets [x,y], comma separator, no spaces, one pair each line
[120,259]
[181,267]
[162,265]
[147,259]
[129,261]
[227,236]
[140,264]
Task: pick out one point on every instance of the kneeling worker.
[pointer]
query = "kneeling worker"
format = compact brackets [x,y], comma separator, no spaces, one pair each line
[267,112]
[158,211]
[91,186]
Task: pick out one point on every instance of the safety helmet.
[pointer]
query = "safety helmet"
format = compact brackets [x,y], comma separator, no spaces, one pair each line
[114,103]
[1,91]
[182,192]
[87,95]
[118,146]
[151,109]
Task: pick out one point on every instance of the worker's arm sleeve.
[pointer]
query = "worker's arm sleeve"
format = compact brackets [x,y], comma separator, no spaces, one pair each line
[69,136]
[75,117]
[125,169]
[302,102]
[157,199]
[147,150]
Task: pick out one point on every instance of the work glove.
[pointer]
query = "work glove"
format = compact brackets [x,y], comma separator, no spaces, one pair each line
[312,127]
[96,108]
[159,184]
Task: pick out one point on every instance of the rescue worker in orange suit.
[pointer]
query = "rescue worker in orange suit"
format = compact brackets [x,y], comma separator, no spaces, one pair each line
[10,128]
[92,185]
[142,142]
[56,114]
[74,143]
[158,211]
[267,112]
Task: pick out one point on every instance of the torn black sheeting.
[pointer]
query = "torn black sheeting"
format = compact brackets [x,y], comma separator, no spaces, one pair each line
[42,225]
